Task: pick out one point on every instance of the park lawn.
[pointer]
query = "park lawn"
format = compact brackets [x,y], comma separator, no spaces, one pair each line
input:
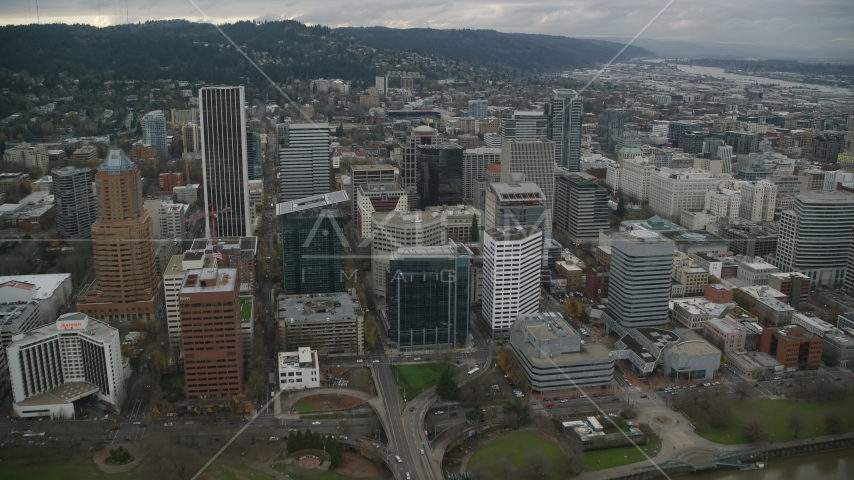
[303,406]
[617,457]
[413,379]
[776,414]
[517,448]
[296,472]
[235,472]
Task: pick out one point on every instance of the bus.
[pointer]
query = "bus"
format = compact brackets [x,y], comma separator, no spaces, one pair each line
[473,371]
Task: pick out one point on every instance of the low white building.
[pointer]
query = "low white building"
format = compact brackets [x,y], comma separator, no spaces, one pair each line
[52,291]
[299,370]
[73,358]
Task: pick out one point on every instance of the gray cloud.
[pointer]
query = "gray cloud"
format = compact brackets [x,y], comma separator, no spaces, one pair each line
[779,23]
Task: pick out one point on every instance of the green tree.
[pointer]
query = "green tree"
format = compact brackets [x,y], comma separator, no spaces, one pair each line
[516,413]
[475,230]
[475,415]
[447,387]
[621,206]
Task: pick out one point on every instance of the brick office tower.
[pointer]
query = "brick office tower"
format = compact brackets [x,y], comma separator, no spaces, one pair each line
[126,283]
[210,335]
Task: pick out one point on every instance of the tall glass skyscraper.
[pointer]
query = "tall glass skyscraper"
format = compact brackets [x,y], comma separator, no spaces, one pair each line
[564,128]
[224,159]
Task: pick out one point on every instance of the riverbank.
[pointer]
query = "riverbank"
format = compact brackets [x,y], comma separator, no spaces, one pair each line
[683,451]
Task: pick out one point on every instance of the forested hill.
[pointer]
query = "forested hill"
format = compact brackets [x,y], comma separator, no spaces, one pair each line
[489,47]
[182,49]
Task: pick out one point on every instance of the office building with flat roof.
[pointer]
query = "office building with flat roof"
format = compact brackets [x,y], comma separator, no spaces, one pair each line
[313,249]
[640,273]
[211,341]
[225,166]
[515,204]
[304,160]
[475,161]
[531,161]
[512,258]
[330,323]
[581,208]
[792,346]
[428,296]
[74,201]
[380,174]
[393,230]
[553,358]
[154,131]
[299,369]
[815,237]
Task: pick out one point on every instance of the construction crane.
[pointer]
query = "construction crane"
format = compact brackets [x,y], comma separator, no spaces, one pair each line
[212,213]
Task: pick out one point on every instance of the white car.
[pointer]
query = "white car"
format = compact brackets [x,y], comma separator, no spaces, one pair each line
[416,358]
[360,361]
[422,451]
[397,459]
[376,361]
[167,424]
[438,412]
[315,423]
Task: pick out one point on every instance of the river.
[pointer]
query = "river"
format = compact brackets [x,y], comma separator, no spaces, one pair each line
[719,73]
[833,465]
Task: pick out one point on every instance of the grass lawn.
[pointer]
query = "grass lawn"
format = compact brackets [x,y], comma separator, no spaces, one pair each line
[296,472]
[305,407]
[615,457]
[776,415]
[245,308]
[86,470]
[514,451]
[359,377]
[415,378]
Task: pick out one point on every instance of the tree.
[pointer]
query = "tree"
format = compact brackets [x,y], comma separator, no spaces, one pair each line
[835,421]
[475,230]
[741,390]
[447,387]
[621,206]
[516,413]
[572,307]
[475,415]
[797,422]
[754,430]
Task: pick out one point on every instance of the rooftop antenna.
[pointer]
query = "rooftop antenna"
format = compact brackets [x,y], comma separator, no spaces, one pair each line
[38,20]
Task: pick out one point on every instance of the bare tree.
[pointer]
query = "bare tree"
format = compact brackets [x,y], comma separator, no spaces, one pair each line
[835,421]
[796,422]
[754,430]
[741,390]
[536,464]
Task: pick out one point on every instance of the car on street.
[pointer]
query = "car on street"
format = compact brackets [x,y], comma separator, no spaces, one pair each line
[438,412]
[137,423]
[360,361]
[644,396]
[128,439]
[422,451]
[114,427]
[376,361]
[315,423]
[343,437]
[397,459]
[615,399]
[411,409]
[169,424]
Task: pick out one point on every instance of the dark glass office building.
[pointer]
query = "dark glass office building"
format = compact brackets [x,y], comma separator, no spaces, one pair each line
[440,175]
[313,251]
[428,295]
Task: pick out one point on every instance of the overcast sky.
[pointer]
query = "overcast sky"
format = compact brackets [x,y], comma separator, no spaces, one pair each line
[806,23]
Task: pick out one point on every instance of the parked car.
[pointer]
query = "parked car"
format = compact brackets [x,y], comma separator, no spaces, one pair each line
[315,423]
[114,427]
